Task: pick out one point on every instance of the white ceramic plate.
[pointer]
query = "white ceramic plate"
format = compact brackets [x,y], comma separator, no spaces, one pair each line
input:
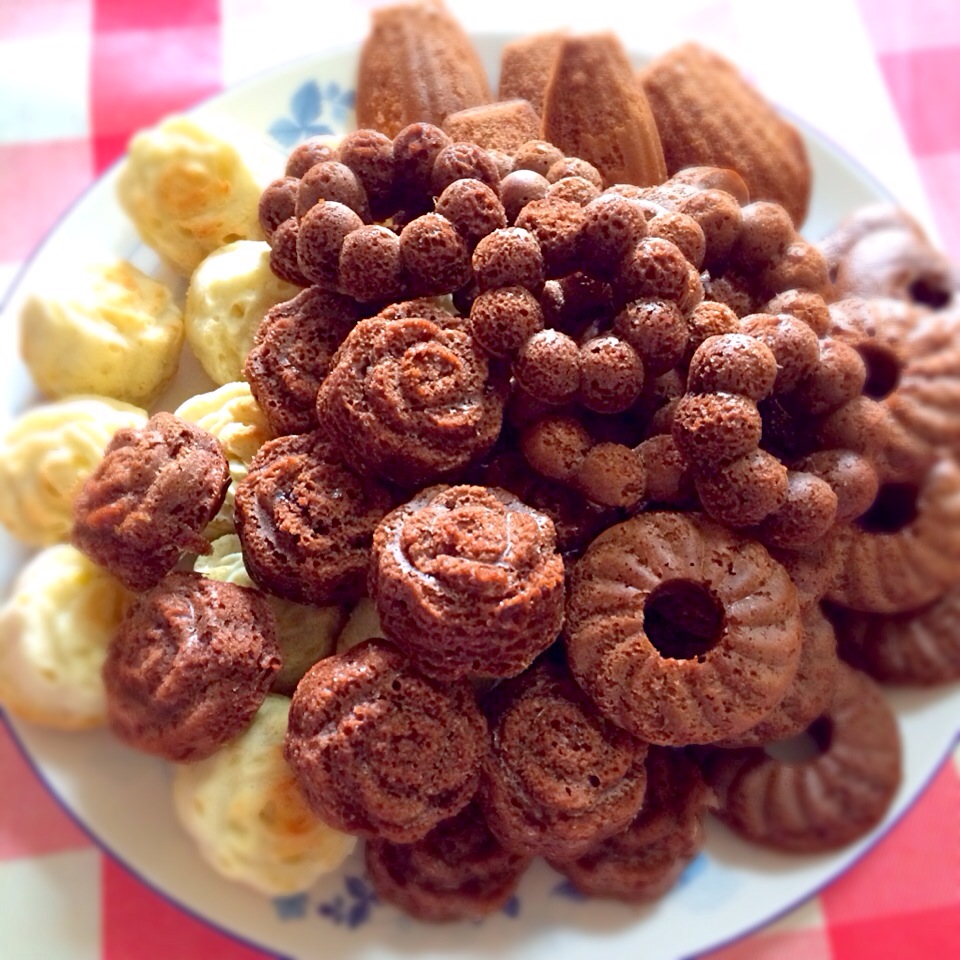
[124,800]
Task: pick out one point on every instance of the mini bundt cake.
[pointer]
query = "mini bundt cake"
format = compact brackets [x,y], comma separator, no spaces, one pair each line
[902,553]
[825,802]
[919,647]
[681,631]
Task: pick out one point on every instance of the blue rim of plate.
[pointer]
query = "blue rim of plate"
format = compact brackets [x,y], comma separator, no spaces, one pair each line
[171,899]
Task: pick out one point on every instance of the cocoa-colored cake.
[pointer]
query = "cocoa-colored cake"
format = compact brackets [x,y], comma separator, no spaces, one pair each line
[913,368]
[646,859]
[708,114]
[810,691]
[576,521]
[813,569]
[559,778]
[409,400]
[189,666]
[150,498]
[417,64]
[593,108]
[458,871]
[825,802]
[681,631]
[905,550]
[919,647]
[468,581]
[306,521]
[291,355]
[881,251]
[381,750]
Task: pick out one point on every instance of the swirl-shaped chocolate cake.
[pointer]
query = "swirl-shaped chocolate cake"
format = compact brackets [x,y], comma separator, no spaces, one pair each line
[306,521]
[381,750]
[560,778]
[458,871]
[645,860]
[468,581]
[410,400]
[292,351]
[189,666]
[149,499]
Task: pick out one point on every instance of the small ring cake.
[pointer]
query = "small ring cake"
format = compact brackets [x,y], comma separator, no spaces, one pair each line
[644,861]
[881,251]
[902,553]
[919,647]
[150,498]
[468,581]
[828,801]
[458,871]
[189,666]
[306,521]
[912,363]
[559,777]
[679,630]
[381,750]
[810,692]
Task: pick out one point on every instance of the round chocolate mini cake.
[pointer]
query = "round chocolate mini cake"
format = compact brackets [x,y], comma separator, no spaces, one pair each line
[189,666]
[150,498]
[381,750]
[559,778]
[458,871]
[306,520]
[646,859]
[468,582]
[409,400]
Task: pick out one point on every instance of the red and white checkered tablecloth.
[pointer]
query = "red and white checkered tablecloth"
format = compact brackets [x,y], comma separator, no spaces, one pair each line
[880,77]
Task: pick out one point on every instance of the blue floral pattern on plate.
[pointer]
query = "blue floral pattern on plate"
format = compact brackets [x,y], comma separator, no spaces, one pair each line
[310,105]
[353,906]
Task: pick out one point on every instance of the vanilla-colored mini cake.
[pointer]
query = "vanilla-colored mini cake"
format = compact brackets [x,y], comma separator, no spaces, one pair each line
[190,187]
[107,329]
[305,634]
[245,811]
[363,623]
[45,457]
[54,633]
[228,295]
[231,415]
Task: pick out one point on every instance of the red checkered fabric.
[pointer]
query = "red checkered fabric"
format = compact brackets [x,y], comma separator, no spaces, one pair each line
[77,77]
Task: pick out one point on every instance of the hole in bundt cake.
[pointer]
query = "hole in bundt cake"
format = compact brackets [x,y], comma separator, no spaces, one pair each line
[683,619]
[804,747]
[930,291]
[883,370]
[894,508]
